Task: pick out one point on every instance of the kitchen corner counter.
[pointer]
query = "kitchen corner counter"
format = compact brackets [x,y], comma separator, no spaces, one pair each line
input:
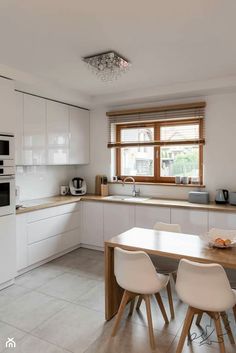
[47,202]
[38,204]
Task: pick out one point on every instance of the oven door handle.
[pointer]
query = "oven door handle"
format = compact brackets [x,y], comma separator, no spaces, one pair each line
[4,177]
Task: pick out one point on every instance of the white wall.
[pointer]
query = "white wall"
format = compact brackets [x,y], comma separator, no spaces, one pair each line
[219,151]
[42,181]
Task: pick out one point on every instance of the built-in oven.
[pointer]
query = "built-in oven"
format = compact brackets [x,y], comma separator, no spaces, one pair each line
[7,187]
[7,195]
[7,147]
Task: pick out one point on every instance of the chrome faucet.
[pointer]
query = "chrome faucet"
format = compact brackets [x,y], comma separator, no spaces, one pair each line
[135,192]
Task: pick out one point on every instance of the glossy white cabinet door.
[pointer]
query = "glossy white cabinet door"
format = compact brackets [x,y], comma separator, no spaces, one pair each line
[57,133]
[92,223]
[19,98]
[191,221]
[79,136]
[42,250]
[21,242]
[34,130]
[223,220]
[7,106]
[52,226]
[7,248]
[117,219]
[147,216]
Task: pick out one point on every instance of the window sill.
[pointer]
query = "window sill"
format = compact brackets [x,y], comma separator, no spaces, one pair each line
[160,184]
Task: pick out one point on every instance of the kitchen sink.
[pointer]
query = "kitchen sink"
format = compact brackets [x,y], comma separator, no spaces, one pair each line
[126,198]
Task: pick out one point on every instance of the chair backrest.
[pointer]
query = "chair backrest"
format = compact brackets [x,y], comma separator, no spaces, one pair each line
[204,286]
[168,227]
[134,271]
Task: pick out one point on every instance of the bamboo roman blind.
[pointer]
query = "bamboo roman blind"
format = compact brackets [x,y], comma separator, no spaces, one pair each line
[189,120]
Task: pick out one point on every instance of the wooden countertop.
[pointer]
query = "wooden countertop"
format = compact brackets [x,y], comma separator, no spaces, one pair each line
[38,204]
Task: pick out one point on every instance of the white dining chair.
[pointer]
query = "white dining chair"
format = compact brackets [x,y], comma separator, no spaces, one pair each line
[205,288]
[165,265]
[136,274]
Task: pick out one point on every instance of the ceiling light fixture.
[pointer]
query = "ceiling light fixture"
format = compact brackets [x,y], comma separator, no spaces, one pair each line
[107,66]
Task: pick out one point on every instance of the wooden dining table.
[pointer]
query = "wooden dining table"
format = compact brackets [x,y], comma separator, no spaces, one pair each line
[160,243]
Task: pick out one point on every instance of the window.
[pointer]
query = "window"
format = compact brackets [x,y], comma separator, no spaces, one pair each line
[160,151]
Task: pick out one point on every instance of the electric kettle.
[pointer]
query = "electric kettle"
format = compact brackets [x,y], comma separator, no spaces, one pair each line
[222,196]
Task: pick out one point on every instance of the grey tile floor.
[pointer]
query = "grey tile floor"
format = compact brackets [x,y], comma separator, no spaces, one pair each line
[59,308]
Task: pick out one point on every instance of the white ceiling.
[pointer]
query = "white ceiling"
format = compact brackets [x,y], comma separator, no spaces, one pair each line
[168,42]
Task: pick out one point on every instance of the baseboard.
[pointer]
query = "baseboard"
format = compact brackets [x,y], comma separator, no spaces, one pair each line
[31,267]
[40,263]
[92,247]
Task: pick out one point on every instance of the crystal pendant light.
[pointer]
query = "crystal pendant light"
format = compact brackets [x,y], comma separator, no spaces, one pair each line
[107,66]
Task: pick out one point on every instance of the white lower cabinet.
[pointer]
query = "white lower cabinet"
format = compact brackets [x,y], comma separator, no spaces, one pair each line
[51,246]
[223,220]
[191,221]
[117,219]
[92,223]
[147,216]
[46,233]
[7,249]
[21,241]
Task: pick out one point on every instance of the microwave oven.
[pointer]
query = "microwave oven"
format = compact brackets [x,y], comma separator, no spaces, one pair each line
[7,148]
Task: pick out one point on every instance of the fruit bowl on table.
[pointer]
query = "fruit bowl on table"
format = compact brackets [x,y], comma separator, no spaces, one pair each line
[220,238]
[221,243]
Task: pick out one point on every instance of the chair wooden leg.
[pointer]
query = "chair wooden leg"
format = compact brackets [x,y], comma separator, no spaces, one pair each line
[227,327]
[174,276]
[124,301]
[219,332]
[199,318]
[234,310]
[149,318]
[161,306]
[187,323]
[189,331]
[139,302]
[131,308]
[169,293]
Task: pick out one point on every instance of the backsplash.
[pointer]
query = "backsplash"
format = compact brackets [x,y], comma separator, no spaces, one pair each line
[42,181]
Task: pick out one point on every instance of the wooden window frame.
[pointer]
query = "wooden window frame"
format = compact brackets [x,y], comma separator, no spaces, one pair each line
[157,128]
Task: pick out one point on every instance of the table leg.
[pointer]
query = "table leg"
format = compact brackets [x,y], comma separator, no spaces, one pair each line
[113,292]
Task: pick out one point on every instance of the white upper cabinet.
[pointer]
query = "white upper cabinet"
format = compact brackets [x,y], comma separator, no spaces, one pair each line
[79,136]
[19,128]
[147,216]
[7,106]
[34,148]
[191,221]
[57,133]
[49,132]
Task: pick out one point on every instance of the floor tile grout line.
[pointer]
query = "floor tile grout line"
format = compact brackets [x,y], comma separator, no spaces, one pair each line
[72,302]
[52,343]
